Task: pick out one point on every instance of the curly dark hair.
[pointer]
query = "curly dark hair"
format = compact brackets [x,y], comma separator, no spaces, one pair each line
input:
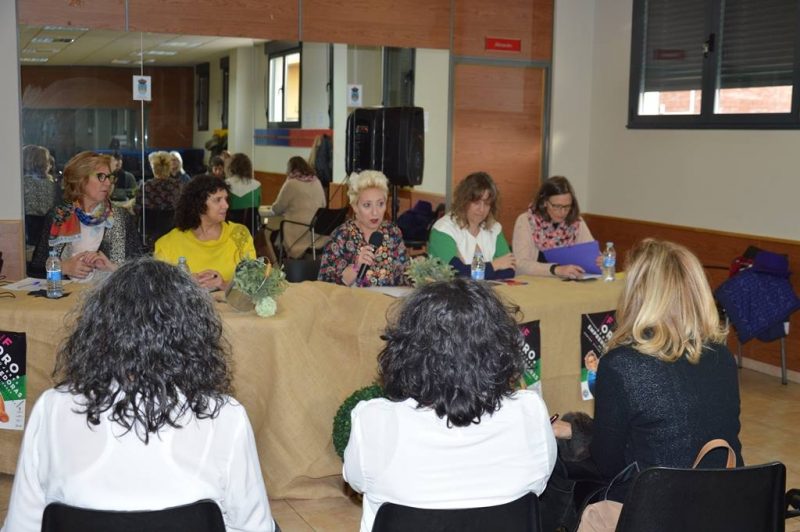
[146,346]
[455,347]
[192,201]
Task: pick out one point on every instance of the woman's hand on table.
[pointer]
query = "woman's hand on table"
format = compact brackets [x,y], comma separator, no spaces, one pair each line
[569,271]
[99,261]
[77,266]
[505,262]
[210,279]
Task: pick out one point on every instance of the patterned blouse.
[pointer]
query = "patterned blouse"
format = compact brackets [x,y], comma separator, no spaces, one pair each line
[341,252]
[160,194]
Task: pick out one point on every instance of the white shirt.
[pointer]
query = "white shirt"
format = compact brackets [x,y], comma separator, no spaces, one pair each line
[398,453]
[466,242]
[63,459]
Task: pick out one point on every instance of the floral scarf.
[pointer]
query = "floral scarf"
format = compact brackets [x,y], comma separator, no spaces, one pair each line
[67,220]
[549,235]
[305,178]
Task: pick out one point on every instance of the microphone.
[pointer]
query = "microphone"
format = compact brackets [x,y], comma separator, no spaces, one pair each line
[375,240]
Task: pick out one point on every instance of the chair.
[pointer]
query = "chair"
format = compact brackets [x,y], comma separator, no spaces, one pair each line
[322,224]
[156,223]
[299,270]
[248,217]
[665,499]
[200,516]
[521,515]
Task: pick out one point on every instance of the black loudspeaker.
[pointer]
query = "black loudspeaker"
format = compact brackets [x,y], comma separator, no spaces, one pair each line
[389,139]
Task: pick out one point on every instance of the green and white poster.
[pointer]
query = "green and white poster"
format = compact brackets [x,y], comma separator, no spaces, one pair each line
[596,330]
[531,355]
[12,380]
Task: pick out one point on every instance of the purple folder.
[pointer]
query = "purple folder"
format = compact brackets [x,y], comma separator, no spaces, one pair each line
[583,255]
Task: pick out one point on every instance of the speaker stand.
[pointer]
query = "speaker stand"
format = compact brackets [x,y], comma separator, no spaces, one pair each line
[395,202]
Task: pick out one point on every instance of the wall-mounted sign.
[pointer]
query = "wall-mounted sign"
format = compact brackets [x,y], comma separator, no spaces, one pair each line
[503,45]
[355,95]
[141,88]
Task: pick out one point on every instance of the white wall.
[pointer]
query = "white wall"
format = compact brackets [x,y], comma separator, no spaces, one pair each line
[431,80]
[738,181]
[11,198]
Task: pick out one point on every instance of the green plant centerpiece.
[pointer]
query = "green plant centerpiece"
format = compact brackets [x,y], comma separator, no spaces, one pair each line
[426,270]
[341,421]
[261,283]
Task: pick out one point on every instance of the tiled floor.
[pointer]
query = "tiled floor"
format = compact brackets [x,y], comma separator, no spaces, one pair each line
[770,431]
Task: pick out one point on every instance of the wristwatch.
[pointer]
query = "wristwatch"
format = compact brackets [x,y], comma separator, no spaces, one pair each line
[553,268]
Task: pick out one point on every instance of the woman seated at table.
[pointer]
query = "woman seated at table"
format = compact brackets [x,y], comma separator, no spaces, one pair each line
[157,195]
[245,195]
[553,220]
[298,200]
[212,246]
[452,432]
[667,383]
[86,231]
[352,257]
[472,226]
[141,417]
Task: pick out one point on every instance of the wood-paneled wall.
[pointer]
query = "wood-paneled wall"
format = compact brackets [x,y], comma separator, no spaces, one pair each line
[99,14]
[716,250]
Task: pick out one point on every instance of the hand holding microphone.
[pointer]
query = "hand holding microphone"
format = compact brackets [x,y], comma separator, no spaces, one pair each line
[366,256]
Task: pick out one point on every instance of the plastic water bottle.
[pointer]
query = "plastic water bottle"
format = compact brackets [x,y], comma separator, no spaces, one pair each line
[609,262]
[183,265]
[53,266]
[478,269]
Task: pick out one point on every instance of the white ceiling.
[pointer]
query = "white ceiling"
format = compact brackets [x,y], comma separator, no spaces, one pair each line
[57,45]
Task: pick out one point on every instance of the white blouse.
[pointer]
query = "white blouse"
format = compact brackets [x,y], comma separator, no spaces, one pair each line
[64,459]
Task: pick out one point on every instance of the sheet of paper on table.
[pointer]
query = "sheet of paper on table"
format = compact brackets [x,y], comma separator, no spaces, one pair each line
[30,283]
[392,291]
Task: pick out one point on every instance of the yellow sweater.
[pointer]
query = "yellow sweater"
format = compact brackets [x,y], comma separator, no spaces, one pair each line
[234,244]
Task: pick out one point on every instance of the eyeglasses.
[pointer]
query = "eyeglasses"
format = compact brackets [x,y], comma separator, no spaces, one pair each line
[102,176]
[561,208]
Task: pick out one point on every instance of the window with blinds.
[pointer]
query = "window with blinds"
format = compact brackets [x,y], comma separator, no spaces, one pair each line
[715,63]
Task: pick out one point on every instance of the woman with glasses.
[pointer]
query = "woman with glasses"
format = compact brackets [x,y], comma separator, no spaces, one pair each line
[86,231]
[553,220]
[470,227]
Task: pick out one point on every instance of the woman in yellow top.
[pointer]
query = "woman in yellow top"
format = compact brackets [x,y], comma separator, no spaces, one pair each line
[212,247]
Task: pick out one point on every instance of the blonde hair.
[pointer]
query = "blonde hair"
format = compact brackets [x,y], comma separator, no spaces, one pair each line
[77,172]
[161,163]
[361,181]
[666,309]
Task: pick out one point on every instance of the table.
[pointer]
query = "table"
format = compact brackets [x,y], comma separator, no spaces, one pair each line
[293,370]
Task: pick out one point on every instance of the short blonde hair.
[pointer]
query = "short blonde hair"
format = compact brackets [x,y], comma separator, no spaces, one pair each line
[161,163]
[666,309]
[361,181]
[77,172]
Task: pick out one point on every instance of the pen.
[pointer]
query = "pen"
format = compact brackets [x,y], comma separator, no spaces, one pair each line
[32,283]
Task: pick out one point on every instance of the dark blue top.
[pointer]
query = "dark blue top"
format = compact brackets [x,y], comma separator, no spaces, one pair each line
[661,413]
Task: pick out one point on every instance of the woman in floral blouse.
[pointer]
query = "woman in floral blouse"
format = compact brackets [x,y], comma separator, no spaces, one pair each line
[349,247]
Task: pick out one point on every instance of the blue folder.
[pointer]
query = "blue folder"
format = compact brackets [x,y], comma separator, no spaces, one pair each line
[583,255]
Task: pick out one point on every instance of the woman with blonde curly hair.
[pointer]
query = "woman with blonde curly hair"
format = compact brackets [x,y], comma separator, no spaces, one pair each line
[667,383]
[472,226]
[367,250]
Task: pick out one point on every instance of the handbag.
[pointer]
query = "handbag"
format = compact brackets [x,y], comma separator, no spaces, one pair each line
[603,516]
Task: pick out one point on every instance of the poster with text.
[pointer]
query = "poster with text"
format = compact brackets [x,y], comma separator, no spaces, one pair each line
[596,329]
[12,380]
[531,355]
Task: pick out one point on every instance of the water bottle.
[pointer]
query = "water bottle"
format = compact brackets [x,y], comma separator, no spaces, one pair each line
[53,267]
[478,269]
[183,265]
[609,262]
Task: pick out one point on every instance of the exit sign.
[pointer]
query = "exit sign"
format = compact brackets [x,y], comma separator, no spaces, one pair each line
[503,45]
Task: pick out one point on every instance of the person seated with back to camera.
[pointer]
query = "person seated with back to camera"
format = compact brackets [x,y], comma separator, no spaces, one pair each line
[471,226]
[298,200]
[141,417]
[667,383]
[553,220]
[367,250]
[88,233]
[211,245]
[452,432]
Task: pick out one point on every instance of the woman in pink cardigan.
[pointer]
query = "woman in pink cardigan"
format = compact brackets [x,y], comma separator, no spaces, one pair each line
[553,220]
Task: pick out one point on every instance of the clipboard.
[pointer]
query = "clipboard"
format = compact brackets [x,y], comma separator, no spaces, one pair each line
[583,255]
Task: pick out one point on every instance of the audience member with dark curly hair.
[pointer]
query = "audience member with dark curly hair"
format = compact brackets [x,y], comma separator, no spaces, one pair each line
[212,246]
[452,432]
[141,417]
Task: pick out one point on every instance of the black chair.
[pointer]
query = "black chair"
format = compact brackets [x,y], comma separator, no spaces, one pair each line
[156,223]
[521,515]
[322,224]
[248,217]
[201,516]
[706,500]
[33,228]
[299,270]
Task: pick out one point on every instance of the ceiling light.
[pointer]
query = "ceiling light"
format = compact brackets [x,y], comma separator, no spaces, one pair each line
[120,61]
[33,59]
[42,40]
[65,28]
[160,52]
